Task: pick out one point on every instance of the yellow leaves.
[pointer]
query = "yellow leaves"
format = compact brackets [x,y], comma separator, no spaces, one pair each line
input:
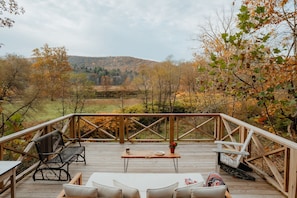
[50,70]
[282,3]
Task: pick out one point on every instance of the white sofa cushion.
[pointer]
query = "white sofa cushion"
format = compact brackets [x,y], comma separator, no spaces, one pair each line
[72,190]
[209,192]
[164,192]
[185,192]
[143,181]
[128,192]
[108,191]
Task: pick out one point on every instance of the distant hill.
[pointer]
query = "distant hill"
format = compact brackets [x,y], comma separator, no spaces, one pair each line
[110,62]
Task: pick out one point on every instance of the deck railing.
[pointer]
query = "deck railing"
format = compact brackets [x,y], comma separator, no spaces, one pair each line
[272,157]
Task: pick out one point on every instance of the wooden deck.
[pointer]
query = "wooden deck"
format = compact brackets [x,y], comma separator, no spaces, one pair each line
[105,157]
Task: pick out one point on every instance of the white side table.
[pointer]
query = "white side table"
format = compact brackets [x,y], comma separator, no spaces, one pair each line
[8,170]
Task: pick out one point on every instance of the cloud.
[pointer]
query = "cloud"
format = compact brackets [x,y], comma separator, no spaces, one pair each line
[150,29]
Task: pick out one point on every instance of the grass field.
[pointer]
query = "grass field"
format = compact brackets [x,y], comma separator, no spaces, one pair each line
[49,110]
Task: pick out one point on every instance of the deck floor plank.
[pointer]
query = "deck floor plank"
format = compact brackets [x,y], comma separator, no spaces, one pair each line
[105,157]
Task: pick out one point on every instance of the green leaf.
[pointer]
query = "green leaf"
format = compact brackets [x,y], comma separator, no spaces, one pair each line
[270,89]
[243,8]
[292,102]
[213,73]
[224,37]
[279,60]
[276,50]
[257,70]
[213,57]
[266,37]
[260,9]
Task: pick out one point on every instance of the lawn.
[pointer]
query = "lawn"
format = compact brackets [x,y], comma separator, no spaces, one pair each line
[49,110]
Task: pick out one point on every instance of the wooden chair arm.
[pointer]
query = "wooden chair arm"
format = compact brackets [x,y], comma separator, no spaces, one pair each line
[228,195]
[229,143]
[77,179]
[231,151]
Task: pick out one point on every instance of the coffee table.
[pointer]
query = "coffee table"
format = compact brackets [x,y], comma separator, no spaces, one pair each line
[134,154]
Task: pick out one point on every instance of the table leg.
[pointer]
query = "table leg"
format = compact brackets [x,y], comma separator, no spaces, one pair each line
[126,163]
[218,161]
[13,183]
[175,163]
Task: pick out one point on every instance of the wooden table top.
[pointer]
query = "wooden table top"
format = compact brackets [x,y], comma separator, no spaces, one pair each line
[149,154]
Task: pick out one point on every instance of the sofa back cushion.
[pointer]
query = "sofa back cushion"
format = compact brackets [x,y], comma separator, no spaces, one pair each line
[128,192]
[108,191]
[185,192]
[72,190]
[209,192]
[164,192]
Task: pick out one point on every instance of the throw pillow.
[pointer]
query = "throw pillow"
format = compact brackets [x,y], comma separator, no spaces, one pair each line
[128,192]
[72,190]
[209,192]
[185,192]
[165,192]
[108,191]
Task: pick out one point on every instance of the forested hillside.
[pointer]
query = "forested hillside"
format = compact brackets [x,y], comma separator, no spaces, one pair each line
[110,62]
[112,70]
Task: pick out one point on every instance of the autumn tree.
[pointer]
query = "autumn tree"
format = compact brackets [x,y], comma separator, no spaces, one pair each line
[189,86]
[279,17]
[51,71]
[144,82]
[106,83]
[215,80]
[159,85]
[166,82]
[13,76]
[15,90]
[255,63]
[80,89]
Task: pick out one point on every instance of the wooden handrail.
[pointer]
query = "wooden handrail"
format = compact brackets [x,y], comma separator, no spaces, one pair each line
[275,138]
[168,127]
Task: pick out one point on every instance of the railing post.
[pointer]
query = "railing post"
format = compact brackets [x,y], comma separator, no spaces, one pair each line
[1,158]
[73,133]
[121,129]
[242,134]
[292,187]
[218,128]
[77,126]
[171,128]
[1,152]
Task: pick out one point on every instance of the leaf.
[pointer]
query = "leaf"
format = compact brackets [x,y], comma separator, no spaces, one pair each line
[270,89]
[257,70]
[213,57]
[276,50]
[260,9]
[292,102]
[224,37]
[279,60]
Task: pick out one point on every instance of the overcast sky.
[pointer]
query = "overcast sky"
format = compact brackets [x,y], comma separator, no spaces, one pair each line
[148,29]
